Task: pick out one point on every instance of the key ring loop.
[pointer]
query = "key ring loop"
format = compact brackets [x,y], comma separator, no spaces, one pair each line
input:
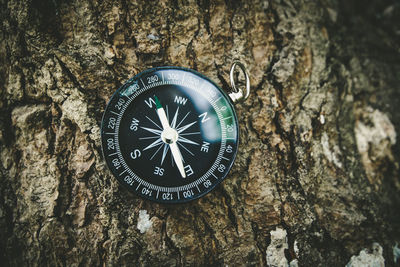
[237,93]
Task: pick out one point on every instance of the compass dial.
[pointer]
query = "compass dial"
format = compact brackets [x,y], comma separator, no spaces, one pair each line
[169,134]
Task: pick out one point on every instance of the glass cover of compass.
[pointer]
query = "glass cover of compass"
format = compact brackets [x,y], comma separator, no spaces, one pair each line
[169,134]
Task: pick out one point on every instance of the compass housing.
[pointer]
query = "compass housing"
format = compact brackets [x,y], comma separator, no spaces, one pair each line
[200,121]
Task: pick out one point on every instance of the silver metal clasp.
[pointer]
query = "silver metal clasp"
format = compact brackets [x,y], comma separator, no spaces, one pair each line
[237,94]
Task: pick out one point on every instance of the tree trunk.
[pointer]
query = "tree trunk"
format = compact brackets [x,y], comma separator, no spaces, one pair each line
[316,179]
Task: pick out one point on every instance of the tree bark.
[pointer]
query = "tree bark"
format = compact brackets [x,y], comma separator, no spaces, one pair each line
[316,179]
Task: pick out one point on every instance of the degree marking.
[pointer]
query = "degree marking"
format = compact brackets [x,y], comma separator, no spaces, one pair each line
[217,100]
[123,172]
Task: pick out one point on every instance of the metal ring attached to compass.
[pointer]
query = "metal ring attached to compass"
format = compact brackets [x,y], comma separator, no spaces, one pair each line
[237,94]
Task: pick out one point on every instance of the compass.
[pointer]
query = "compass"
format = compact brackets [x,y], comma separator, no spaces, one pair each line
[170,134]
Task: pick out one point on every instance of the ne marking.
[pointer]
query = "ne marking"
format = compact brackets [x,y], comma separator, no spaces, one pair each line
[112,154]
[214,176]
[115,113]
[158,192]
[227,117]
[138,186]
[198,188]
[143,83]
[110,133]
[224,158]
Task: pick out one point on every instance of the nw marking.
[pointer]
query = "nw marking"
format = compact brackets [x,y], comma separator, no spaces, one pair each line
[180,100]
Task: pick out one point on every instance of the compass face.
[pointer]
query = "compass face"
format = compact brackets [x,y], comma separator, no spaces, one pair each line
[169,134]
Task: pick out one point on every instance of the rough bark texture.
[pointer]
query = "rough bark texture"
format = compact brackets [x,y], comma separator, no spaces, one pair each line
[316,180]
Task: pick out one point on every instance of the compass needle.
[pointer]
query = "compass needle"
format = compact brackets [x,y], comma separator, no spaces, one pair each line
[178,158]
[161,114]
[170,136]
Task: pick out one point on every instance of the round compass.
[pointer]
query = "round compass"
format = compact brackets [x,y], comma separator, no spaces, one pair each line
[169,134]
